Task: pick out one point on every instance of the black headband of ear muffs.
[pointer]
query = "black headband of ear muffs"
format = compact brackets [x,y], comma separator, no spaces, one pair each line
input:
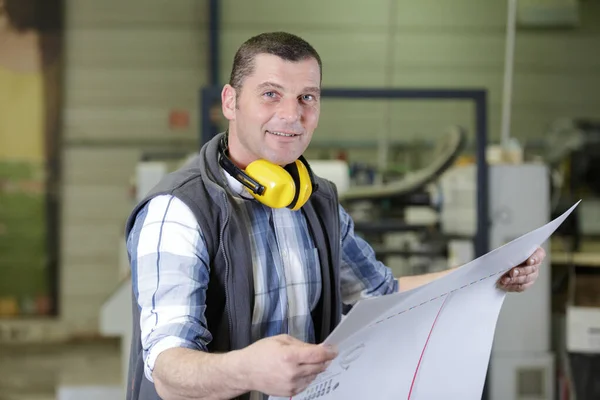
[236,172]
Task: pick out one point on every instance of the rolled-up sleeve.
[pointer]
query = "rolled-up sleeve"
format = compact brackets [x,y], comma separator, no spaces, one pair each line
[361,274]
[170,275]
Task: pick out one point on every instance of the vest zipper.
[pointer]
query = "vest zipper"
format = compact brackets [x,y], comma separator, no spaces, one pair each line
[227,302]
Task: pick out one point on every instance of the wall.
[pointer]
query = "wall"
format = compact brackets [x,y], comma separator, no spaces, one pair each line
[431,44]
[129,64]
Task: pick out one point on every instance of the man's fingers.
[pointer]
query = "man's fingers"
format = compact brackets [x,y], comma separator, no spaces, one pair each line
[520,283]
[314,354]
[538,255]
[523,276]
[527,270]
[515,288]
[527,285]
[521,279]
[308,379]
[300,352]
[303,383]
[519,272]
[519,287]
[307,370]
[288,339]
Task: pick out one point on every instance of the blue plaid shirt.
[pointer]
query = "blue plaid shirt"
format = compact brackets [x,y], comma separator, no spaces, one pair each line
[170,273]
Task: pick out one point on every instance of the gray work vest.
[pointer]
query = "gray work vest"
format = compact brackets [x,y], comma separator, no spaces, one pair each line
[200,184]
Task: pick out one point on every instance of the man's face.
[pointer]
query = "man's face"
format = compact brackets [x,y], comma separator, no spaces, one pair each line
[276,112]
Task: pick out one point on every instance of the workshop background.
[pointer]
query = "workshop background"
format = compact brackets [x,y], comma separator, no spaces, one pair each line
[122,95]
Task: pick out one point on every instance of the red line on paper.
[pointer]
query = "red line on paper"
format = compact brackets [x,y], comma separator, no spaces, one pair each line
[425,347]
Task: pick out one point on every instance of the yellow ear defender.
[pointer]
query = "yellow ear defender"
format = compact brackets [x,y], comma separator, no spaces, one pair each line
[275,186]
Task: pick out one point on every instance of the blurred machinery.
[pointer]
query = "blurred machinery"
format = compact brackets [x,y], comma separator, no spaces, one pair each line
[573,154]
[400,218]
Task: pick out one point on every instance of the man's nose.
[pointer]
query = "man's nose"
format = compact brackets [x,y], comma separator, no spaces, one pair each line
[290,110]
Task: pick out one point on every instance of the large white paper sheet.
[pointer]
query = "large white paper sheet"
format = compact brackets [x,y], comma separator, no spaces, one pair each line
[433,342]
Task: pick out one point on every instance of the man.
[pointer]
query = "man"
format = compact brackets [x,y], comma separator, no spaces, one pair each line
[234,288]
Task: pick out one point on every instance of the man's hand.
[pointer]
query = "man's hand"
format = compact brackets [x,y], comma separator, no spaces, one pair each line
[523,276]
[284,366]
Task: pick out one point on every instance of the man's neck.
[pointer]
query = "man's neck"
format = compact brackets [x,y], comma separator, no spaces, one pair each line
[236,151]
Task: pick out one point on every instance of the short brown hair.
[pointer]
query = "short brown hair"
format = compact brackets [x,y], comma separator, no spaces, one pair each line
[281,44]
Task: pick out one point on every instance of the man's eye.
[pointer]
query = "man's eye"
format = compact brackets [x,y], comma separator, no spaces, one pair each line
[270,94]
[308,97]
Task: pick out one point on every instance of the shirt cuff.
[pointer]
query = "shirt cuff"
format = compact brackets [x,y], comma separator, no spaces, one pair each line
[166,343]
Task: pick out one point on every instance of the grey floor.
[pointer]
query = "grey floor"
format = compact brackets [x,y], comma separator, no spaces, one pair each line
[35,372]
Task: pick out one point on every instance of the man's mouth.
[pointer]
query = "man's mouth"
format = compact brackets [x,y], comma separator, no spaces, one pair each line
[284,134]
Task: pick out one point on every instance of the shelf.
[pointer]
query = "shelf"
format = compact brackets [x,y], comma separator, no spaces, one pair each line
[389,226]
[580,259]
[384,251]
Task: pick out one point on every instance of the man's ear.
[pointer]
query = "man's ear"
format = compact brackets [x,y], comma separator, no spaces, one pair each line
[228,98]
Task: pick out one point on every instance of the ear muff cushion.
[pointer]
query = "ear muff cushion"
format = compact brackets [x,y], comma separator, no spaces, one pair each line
[280,189]
[301,177]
